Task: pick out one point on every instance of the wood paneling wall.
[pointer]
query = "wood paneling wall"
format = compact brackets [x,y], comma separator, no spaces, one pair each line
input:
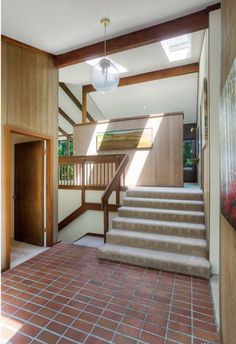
[227,233]
[29,101]
[162,165]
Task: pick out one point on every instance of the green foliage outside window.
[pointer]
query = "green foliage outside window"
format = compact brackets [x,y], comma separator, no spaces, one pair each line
[63,148]
[188,154]
[66,173]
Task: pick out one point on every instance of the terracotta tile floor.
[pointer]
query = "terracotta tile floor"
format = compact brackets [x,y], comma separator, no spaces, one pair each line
[67,295]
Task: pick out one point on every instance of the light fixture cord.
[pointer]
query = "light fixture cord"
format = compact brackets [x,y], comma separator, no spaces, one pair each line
[105,41]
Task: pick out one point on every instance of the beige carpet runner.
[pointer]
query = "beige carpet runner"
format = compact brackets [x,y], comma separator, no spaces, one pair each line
[161,228]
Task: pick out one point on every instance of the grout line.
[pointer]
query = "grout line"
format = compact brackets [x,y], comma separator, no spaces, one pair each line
[171,300]
[61,267]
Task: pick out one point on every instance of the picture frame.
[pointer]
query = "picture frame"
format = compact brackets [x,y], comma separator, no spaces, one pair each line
[228,148]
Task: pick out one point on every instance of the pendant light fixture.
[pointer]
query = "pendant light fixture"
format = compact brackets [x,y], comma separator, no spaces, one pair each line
[105,75]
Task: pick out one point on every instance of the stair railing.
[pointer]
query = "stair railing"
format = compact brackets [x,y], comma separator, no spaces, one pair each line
[91,172]
[114,185]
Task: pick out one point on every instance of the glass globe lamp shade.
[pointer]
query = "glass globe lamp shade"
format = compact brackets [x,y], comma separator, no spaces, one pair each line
[105,76]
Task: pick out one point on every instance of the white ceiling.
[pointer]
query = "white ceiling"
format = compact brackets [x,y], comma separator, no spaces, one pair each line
[139,60]
[62,25]
[167,95]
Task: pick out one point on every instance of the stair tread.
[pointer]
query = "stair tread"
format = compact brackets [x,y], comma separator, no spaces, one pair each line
[197,226]
[162,200]
[193,261]
[163,211]
[173,190]
[159,237]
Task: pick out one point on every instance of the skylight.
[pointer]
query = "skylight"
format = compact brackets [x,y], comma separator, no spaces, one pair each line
[177,48]
[120,68]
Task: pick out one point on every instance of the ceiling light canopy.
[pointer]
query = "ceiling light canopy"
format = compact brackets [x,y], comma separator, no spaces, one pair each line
[105,75]
[121,69]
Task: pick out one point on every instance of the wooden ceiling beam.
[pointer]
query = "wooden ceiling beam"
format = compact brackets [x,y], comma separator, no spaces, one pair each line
[155,75]
[183,25]
[67,118]
[74,99]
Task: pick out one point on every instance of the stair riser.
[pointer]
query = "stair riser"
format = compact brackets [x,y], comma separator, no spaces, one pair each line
[161,216]
[160,265]
[186,232]
[164,205]
[166,195]
[157,245]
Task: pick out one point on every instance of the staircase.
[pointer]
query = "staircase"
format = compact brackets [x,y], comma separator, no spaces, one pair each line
[161,228]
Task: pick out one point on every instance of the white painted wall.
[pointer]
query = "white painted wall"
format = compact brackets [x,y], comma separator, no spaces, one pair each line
[89,222]
[214,97]
[203,73]
[209,67]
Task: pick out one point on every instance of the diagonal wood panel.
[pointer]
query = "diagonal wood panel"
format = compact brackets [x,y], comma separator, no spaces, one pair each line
[66,117]
[74,99]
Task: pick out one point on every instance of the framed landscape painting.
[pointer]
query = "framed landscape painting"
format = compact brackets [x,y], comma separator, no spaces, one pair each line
[228,148]
[125,139]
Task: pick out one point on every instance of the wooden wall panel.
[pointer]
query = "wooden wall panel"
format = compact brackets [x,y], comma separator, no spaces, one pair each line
[29,101]
[227,233]
[162,165]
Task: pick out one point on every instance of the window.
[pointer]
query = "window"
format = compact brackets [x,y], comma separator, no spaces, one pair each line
[65,148]
[177,48]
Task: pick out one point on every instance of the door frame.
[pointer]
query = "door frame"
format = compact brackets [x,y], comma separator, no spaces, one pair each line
[7,213]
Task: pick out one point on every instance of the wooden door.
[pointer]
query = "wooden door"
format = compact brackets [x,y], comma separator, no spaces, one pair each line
[29,194]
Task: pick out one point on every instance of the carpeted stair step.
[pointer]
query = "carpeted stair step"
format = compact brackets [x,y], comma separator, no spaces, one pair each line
[160,242]
[167,193]
[161,203]
[180,263]
[162,214]
[194,230]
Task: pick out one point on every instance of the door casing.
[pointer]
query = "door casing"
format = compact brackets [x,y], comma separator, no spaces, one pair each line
[7,211]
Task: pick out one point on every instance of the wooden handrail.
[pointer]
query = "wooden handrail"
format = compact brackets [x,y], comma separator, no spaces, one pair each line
[94,171]
[90,158]
[114,185]
[81,210]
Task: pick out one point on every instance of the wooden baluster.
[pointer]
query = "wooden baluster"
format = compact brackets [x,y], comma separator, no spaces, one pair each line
[118,183]
[103,175]
[90,174]
[106,220]
[59,174]
[63,173]
[83,183]
[100,174]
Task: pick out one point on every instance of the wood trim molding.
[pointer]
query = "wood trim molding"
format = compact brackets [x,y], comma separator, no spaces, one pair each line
[133,118]
[213,7]
[66,117]
[63,132]
[17,130]
[82,209]
[155,75]
[74,99]
[183,25]
[25,46]
[8,130]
